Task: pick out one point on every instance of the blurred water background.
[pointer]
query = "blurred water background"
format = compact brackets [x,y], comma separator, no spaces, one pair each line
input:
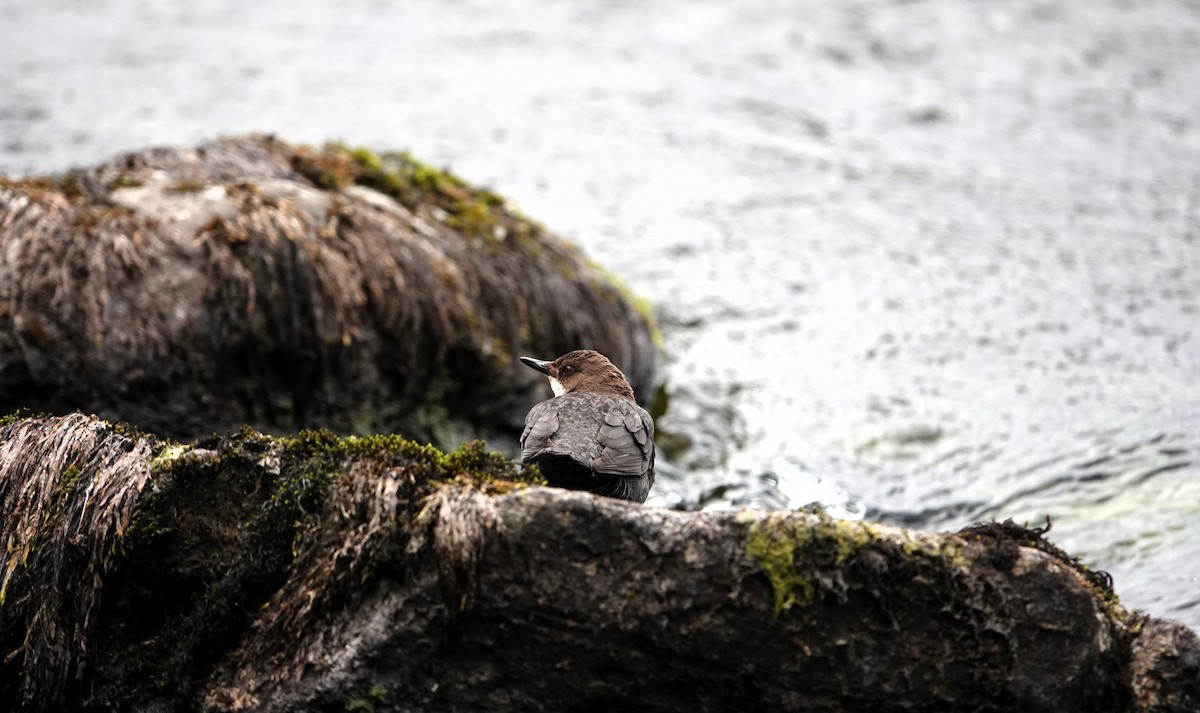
[924,261]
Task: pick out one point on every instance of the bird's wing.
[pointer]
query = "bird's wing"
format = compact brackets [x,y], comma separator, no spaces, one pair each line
[627,441]
[540,424]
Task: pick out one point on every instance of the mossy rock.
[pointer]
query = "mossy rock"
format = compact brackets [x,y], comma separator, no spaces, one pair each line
[315,572]
[249,281]
[187,541]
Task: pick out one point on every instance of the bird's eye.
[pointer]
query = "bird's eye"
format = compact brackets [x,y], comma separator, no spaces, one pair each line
[568,369]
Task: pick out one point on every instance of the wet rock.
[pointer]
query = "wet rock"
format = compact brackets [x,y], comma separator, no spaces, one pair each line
[249,281]
[1166,668]
[282,574]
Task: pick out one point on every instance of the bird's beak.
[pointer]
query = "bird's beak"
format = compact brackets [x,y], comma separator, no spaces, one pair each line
[542,366]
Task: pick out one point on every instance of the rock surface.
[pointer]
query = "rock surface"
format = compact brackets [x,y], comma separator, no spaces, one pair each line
[247,281]
[314,573]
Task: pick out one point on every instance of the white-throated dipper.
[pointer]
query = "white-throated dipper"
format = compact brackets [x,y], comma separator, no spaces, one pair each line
[592,435]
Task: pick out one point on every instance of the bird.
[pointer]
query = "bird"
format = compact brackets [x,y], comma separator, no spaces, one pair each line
[591,435]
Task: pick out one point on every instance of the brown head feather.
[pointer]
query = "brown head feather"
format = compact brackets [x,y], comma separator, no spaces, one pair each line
[585,370]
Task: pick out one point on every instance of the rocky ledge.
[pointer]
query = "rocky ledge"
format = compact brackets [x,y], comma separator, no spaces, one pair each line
[244,572]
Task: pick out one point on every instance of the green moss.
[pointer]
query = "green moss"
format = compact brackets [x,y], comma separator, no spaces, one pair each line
[772,543]
[64,488]
[473,211]
[366,158]
[783,545]
[67,481]
[948,549]
[1099,583]
[850,536]
[185,186]
[124,181]
[786,545]
[10,419]
[369,702]
[314,458]
[167,454]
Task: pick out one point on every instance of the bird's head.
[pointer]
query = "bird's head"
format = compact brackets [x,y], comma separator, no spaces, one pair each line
[582,370]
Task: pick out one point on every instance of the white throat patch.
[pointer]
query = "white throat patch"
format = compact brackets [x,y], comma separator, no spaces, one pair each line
[556,386]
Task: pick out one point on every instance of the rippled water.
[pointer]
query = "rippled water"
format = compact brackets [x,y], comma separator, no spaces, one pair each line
[931,262]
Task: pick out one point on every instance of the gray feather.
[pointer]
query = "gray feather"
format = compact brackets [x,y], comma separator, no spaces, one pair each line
[611,435]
